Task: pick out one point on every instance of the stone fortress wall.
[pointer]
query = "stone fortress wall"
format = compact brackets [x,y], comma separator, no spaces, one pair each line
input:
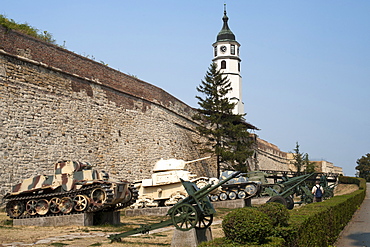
[56,105]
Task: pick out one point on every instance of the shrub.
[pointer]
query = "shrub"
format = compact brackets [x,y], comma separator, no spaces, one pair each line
[278,213]
[247,225]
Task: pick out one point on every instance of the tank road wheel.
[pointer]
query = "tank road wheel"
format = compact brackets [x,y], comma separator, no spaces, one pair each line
[31,207]
[251,189]
[14,209]
[184,217]
[242,194]
[232,195]
[98,197]
[54,205]
[278,199]
[204,221]
[213,198]
[222,196]
[42,207]
[81,202]
[66,205]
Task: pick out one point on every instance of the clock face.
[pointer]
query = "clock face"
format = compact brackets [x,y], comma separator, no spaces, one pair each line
[223,48]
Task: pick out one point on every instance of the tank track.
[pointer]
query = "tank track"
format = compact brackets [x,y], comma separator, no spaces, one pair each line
[87,190]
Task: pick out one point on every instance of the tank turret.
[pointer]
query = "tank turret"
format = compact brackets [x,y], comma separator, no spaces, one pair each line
[74,186]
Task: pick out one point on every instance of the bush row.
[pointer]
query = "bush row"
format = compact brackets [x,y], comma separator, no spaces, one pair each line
[315,224]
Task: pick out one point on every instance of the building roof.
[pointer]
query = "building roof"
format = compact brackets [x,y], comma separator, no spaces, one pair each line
[225,34]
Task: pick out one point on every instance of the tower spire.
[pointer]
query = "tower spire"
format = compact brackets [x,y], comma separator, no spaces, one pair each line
[225,33]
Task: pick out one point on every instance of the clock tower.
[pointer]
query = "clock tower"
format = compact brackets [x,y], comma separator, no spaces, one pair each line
[226,56]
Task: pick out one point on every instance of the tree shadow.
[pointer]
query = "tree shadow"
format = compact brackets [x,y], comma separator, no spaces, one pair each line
[361,238]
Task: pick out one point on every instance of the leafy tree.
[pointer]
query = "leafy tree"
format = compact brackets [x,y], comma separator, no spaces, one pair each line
[226,133]
[364,167]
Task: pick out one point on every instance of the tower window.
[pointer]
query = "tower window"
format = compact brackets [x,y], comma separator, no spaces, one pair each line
[215,51]
[223,64]
[239,67]
[232,49]
[238,51]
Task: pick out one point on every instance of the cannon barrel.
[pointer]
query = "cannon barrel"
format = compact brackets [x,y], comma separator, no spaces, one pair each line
[203,192]
[200,159]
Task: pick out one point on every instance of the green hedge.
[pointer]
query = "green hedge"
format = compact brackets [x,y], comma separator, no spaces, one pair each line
[317,224]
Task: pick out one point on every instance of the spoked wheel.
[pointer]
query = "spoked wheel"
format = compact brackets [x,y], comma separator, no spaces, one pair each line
[42,207]
[98,197]
[66,205]
[81,202]
[204,221]
[242,194]
[222,196]
[232,195]
[184,217]
[31,207]
[54,205]
[14,208]
[251,189]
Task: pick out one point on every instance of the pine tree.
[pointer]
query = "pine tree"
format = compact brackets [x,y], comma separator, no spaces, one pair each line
[302,162]
[226,133]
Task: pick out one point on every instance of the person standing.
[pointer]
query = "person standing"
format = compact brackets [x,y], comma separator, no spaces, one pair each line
[318,192]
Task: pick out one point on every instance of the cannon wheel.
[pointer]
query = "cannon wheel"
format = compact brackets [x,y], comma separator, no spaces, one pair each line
[204,221]
[184,217]
[290,202]
[278,199]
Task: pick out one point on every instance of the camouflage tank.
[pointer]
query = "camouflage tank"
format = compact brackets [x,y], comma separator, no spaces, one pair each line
[164,188]
[75,187]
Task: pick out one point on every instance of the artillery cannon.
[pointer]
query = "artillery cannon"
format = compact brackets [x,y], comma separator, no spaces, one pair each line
[283,192]
[195,211]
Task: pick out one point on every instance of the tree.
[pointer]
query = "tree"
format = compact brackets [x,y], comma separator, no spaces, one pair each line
[309,166]
[302,162]
[364,167]
[226,133]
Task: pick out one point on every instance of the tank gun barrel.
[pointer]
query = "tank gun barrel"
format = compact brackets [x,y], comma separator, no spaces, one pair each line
[200,159]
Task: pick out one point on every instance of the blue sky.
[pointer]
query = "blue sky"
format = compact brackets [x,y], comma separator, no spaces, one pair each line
[305,64]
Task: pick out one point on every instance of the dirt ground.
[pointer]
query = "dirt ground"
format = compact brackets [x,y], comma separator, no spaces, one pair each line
[93,235]
[97,235]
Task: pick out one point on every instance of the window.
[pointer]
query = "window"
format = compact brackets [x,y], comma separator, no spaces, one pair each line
[215,51]
[232,49]
[223,64]
[239,67]
[238,51]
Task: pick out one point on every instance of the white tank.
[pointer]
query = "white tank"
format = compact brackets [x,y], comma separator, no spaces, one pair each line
[165,188]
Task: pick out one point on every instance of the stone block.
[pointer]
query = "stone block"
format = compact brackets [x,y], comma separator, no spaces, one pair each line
[84,219]
[191,238]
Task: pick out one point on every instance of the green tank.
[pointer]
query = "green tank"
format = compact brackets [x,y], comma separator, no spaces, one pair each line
[75,187]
